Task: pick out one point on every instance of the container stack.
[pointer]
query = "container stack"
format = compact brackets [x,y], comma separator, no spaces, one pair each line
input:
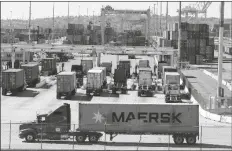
[75,32]
[195,43]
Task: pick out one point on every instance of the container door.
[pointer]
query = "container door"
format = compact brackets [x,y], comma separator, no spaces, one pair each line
[12,80]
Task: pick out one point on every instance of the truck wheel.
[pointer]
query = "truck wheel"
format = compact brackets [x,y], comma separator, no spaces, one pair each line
[30,137]
[80,138]
[178,139]
[139,94]
[57,96]
[191,139]
[4,92]
[21,88]
[93,138]
[74,92]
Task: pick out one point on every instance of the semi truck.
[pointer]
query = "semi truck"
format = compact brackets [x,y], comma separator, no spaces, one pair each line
[181,121]
[66,84]
[79,74]
[171,87]
[87,64]
[167,69]
[145,82]
[126,65]
[108,66]
[120,81]
[95,80]
[160,68]
[49,66]
[31,73]
[13,80]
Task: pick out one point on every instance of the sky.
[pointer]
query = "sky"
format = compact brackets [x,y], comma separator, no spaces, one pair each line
[20,10]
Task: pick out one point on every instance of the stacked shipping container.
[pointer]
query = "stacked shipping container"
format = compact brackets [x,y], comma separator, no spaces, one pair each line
[195,42]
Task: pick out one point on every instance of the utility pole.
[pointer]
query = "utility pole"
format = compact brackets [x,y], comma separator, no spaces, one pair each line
[29,37]
[179,39]
[93,17]
[220,55]
[160,18]
[68,13]
[167,17]
[155,20]
[79,13]
[53,20]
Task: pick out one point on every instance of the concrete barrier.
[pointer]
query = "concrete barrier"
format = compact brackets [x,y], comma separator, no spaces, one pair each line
[212,116]
[227,84]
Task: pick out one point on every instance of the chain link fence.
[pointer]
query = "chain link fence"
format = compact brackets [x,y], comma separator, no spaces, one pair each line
[210,138]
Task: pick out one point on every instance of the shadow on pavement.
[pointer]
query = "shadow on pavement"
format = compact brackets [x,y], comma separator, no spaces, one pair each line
[138,144]
[81,97]
[26,93]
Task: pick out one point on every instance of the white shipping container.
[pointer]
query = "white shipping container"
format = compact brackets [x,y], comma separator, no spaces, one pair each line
[145,76]
[103,69]
[172,78]
[94,79]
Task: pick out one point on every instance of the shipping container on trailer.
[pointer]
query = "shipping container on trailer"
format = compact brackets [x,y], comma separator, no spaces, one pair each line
[108,66]
[145,82]
[167,69]
[171,87]
[31,73]
[104,73]
[179,120]
[95,81]
[160,68]
[125,64]
[79,74]
[87,64]
[120,81]
[66,84]
[144,63]
[13,80]
[49,66]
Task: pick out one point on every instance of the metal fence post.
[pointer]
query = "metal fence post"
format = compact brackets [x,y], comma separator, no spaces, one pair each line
[201,137]
[169,139]
[41,146]
[10,136]
[105,136]
[73,137]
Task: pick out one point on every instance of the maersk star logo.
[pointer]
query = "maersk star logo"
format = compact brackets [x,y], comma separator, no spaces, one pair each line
[98,117]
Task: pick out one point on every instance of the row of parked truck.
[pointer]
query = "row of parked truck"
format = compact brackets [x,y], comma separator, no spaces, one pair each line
[16,80]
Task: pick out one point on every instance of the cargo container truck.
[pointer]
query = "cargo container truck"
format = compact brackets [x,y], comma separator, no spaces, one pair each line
[87,64]
[181,121]
[160,68]
[144,64]
[167,69]
[49,66]
[120,81]
[31,73]
[145,82]
[79,74]
[66,84]
[171,87]
[13,80]
[125,64]
[108,66]
[104,74]
[95,81]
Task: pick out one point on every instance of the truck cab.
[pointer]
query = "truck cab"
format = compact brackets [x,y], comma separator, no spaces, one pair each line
[53,126]
[171,87]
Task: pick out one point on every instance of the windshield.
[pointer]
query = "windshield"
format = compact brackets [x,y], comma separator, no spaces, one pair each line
[41,119]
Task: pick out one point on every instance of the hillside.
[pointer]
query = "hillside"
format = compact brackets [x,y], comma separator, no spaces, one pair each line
[136,21]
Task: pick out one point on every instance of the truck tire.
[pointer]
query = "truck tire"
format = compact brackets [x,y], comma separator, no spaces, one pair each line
[191,139]
[74,92]
[93,138]
[178,139]
[80,138]
[30,137]
[57,96]
[4,91]
[21,88]
[139,94]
